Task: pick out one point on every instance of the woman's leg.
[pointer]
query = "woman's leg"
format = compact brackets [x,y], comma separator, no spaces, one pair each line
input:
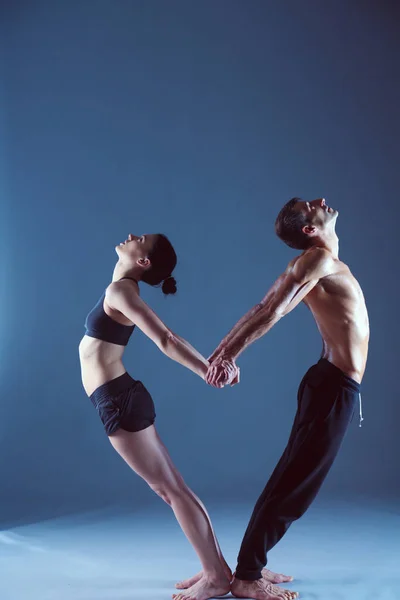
[148,457]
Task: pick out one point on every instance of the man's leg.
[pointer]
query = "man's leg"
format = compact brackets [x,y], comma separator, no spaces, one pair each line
[326,406]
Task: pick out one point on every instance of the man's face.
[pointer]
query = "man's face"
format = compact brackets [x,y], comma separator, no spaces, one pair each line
[318,213]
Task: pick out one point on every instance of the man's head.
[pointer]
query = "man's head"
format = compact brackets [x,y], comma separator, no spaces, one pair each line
[304,224]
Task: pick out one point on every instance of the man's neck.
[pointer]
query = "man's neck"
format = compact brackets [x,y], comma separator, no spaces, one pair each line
[331,243]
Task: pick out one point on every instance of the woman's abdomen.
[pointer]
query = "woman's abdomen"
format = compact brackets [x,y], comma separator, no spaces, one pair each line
[100,362]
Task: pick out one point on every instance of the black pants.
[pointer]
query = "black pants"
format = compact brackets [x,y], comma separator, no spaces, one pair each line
[326,402]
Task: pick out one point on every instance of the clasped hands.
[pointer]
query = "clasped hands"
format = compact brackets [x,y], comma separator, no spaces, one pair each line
[222,371]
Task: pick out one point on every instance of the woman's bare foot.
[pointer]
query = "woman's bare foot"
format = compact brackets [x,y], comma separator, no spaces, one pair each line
[260,590]
[204,589]
[266,574]
[186,583]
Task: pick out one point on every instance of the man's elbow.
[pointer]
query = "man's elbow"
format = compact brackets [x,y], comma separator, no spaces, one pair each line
[278,313]
[273,313]
[273,317]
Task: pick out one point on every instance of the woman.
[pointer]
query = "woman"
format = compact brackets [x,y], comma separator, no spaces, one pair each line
[126,407]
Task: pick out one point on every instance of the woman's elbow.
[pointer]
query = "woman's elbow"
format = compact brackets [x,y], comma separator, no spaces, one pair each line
[167,341]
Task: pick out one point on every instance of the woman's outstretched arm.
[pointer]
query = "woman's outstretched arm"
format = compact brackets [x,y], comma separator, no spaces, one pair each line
[121,297]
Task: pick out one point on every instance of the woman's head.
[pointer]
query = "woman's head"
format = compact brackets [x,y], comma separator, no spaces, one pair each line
[152,258]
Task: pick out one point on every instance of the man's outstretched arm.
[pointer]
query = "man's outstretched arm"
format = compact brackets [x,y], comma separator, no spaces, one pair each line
[229,336]
[246,318]
[286,293]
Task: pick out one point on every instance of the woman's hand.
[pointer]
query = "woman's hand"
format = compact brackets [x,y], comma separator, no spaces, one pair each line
[223,371]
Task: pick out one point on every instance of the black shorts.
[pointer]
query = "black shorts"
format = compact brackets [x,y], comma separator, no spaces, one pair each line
[124,403]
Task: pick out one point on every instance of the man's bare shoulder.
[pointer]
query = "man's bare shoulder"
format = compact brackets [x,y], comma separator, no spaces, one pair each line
[313,263]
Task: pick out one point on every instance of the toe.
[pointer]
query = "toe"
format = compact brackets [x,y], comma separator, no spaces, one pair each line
[276,592]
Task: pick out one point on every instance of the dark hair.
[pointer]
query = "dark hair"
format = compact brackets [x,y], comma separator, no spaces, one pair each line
[289,224]
[169,286]
[163,262]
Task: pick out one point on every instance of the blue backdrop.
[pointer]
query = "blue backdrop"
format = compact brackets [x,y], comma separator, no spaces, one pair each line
[199,120]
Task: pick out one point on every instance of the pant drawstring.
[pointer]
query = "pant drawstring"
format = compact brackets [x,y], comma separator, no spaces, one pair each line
[361,417]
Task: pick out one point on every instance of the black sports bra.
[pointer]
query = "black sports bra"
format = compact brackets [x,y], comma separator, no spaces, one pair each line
[102,327]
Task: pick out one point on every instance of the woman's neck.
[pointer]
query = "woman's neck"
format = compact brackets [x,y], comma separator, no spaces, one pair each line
[121,270]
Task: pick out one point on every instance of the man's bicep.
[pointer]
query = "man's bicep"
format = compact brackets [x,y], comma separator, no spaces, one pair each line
[288,294]
[271,292]
[298,296]
[294,285]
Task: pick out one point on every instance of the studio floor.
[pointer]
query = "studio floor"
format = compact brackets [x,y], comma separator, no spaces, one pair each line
[338,551]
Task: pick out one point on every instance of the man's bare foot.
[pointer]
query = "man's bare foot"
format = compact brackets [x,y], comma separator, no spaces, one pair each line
[260,590]
[275,577]
[204,589]
[186,583]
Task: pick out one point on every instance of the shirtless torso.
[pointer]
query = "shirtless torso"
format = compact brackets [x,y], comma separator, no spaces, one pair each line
[338,306]
[333,295]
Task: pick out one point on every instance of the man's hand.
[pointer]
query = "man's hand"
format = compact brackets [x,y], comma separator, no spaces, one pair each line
[223,372]
[213,356]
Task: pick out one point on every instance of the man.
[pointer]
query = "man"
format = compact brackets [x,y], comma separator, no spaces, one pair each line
[328,393]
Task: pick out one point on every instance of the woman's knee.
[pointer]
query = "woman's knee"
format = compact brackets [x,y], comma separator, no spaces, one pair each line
[161,491]
[169,489]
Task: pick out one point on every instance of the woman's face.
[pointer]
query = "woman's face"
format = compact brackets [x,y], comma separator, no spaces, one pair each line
[136,247]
